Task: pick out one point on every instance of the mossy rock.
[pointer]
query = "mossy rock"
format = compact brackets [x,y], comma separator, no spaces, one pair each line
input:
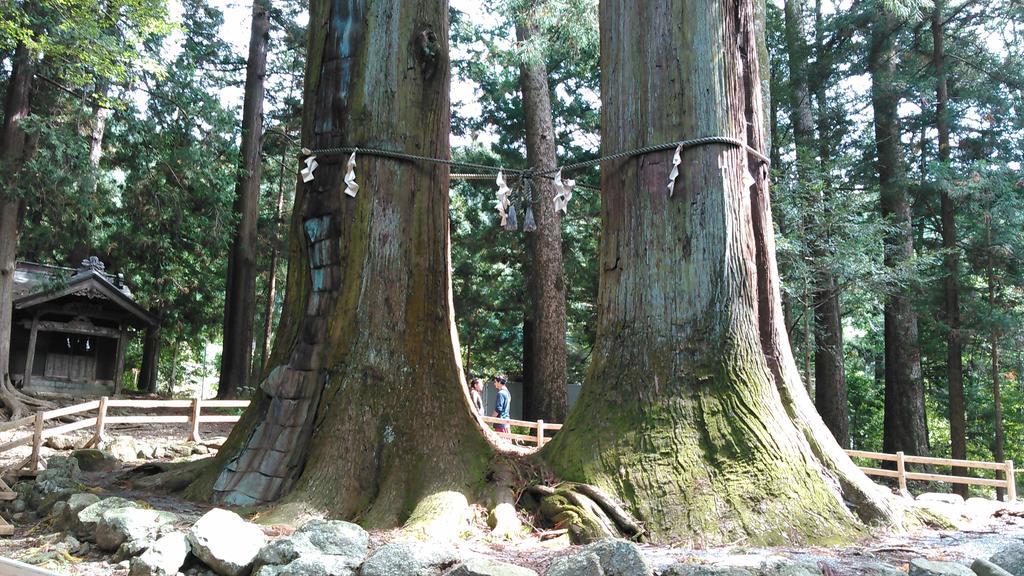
[93,460]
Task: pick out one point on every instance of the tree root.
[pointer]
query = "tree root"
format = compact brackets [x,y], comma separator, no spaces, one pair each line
[174,478]
[586,512]
[18,403]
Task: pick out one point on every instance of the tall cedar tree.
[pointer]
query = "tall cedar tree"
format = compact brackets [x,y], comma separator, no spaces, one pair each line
[544,324]
[829,374]
[13,150]
[366,349]
[240,296]
[904,426]
[693,411]
[951,283]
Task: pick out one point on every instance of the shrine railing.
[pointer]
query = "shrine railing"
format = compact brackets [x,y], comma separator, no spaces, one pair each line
[901,474]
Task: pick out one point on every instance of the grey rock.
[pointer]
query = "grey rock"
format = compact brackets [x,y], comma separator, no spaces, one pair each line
[986,568]
[62,442]
[488,567]
[922,567]
[75,504]
[163,558]
[699,570]
[411,558]
[583,564]
[336,538]
[121,525]
[311,565]
[786,567]
[1010,558]
[83,524]
[619,557]
[56,482]
[225,542]
[955,499]
[132,548]
[93,460]
[19,505]
[124,448]
[200,449]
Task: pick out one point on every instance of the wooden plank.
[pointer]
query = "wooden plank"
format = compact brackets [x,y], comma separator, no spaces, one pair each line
[37,442]
[219,417]
[880,472]
[951,462]
[128,403]
[15,443]
[31,360]
[83,407]
[1011,482]
[511,436]
[197,407]
[226,403]
[5,426]
[901,471]
[147,419]
[8,495]
[524,423]
[955,479]
[57,430]
[872,455]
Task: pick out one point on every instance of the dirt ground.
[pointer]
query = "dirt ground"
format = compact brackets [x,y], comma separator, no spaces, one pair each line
[978,539]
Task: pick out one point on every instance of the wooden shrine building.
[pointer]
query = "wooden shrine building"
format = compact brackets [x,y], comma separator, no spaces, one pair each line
[70,328]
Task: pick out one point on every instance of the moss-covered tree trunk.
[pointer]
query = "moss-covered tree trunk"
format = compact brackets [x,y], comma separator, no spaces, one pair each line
[364,414]
[693,413]
[904,427]
[544,393]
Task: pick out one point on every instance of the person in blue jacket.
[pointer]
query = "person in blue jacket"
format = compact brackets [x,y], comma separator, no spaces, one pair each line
[502,402]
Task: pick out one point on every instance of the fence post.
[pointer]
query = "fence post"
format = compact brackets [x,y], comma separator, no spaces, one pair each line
[101,415]
[1011,482]
[901,471]
[540,433]
[194,420]
[37,442]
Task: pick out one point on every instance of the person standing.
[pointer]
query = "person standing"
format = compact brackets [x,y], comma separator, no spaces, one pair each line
[502,402]
[476,386]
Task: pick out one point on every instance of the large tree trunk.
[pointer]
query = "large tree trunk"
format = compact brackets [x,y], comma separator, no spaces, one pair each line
[829,375]
[692,411]
[364,411]
[544,392]
[240,295]
[999,441]
[12,154]
[951,285]
[904,420]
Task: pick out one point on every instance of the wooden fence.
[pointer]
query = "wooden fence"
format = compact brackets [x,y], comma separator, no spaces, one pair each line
[902,475]
[538,427]
[102,418]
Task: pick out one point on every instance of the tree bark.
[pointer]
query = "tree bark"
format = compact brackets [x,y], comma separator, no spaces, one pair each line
[951,283]
[240,295]
[13,150]
[999,441]
[366,349]
[544,366]
[904,420]
[268,310]
[150,370]
[693,392]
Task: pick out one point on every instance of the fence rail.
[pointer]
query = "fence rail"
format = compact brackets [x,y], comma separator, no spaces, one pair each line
[539,427]
[102,418]
[901,474]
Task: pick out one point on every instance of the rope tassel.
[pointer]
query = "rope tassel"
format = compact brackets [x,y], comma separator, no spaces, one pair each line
[350,177]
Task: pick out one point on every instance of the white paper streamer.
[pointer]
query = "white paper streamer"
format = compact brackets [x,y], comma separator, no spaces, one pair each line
[563,193]
[311,164]
[676,160]
[502,202]
[350,177]
[748,180]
